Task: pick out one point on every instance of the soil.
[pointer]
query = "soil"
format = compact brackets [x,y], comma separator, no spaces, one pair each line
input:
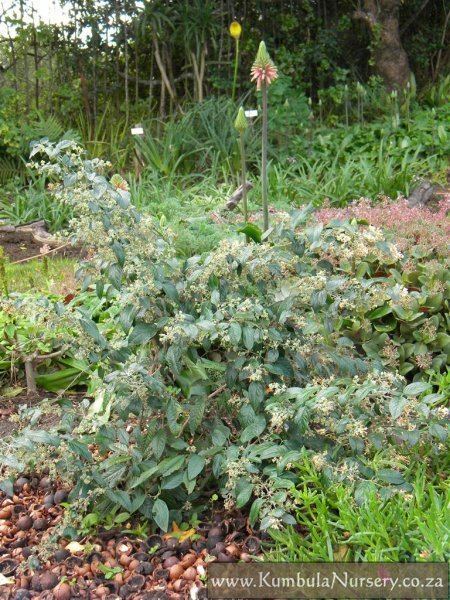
[9,408]
[108,564]
[18,246]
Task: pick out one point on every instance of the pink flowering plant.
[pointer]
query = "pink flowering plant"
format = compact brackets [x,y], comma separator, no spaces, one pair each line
[415,229]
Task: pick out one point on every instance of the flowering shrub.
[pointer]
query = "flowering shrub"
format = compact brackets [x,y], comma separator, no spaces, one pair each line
[223,368]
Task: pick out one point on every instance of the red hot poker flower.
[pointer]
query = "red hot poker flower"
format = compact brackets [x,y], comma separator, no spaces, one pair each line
[263,69]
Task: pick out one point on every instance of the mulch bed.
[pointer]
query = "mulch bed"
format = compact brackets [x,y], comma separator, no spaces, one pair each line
[164,567]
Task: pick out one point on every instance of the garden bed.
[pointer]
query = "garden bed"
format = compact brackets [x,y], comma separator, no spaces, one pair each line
[252,377]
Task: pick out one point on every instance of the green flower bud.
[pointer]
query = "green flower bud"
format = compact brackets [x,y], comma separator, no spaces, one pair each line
[241,122]
[263,58]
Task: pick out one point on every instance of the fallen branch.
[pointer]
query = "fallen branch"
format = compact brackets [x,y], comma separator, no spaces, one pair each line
[217,392]
[236,196]
[41,254]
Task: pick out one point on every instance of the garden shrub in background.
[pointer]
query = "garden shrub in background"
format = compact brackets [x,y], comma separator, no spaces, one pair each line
[410,332]
[215,373]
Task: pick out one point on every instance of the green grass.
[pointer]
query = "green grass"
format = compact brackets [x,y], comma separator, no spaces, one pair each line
[332,526]
[189,210]
[56,278]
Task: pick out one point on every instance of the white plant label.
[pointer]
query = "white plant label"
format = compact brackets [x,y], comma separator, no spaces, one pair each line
[251,113]
[137,131]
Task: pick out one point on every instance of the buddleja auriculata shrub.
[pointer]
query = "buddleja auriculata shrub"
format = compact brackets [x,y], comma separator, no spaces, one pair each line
[215,373]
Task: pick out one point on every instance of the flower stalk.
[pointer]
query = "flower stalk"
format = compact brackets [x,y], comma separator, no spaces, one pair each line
[264,144]
[235,32]
[264,72]
[241,125]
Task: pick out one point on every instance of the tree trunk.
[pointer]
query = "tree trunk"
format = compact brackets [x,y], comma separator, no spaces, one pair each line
[36,66]
[25,60]
[391,60]
[161,67]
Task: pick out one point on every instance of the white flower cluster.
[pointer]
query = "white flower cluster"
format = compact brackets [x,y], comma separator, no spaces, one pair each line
[357,246]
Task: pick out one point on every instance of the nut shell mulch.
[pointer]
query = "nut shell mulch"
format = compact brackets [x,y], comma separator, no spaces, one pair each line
[108,565]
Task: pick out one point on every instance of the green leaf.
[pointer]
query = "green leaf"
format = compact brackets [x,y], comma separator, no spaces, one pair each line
[254,511]
[244,494]
[158,443]
[252,231]
[249,337]
[363,492]
[439,432]
[256,393]
[119,252]
[196,414]
[91,329]
[379,312]
[195,466]
[6,486]
[362,269]
[115,274]
[170,290]
[79,448]
[219,437]
[43,437]
[122,517]
[60,380]
[142,333]
[127,316]
[235,333]
[396,406]
[169,465]
[416,388]
[254,429]
[173,410]
[120,497]
[143,477]
[391,476]
[172,482]
[161,514]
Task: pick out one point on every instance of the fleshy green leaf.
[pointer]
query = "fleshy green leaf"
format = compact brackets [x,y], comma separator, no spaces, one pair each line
[252,231]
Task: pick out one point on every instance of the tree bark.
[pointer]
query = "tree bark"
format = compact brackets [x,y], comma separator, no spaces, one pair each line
[391,60]
[161,67]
